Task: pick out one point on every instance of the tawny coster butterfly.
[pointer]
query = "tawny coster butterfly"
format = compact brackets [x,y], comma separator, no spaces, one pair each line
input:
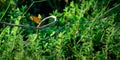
[36,19]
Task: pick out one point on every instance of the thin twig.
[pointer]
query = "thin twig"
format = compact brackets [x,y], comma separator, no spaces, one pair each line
[5,11]
[108,11]
[31,6]
[98,19]
[33,27]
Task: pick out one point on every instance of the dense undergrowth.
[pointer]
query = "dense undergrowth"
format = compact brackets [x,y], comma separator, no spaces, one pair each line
[84,31]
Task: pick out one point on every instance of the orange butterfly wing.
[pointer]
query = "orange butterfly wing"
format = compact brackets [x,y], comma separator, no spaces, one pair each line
[35,19]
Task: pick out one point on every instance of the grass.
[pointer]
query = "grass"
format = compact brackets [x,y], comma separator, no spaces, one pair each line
[85,30]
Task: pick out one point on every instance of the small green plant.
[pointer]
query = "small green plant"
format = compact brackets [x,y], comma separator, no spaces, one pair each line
[85,30]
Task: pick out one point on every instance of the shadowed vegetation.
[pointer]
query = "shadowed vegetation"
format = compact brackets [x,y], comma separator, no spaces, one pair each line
[86,30]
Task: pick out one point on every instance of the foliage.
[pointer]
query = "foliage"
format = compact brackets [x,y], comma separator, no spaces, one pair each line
[80,33]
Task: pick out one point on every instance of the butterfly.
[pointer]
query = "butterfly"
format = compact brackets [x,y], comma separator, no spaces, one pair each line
[36,19]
